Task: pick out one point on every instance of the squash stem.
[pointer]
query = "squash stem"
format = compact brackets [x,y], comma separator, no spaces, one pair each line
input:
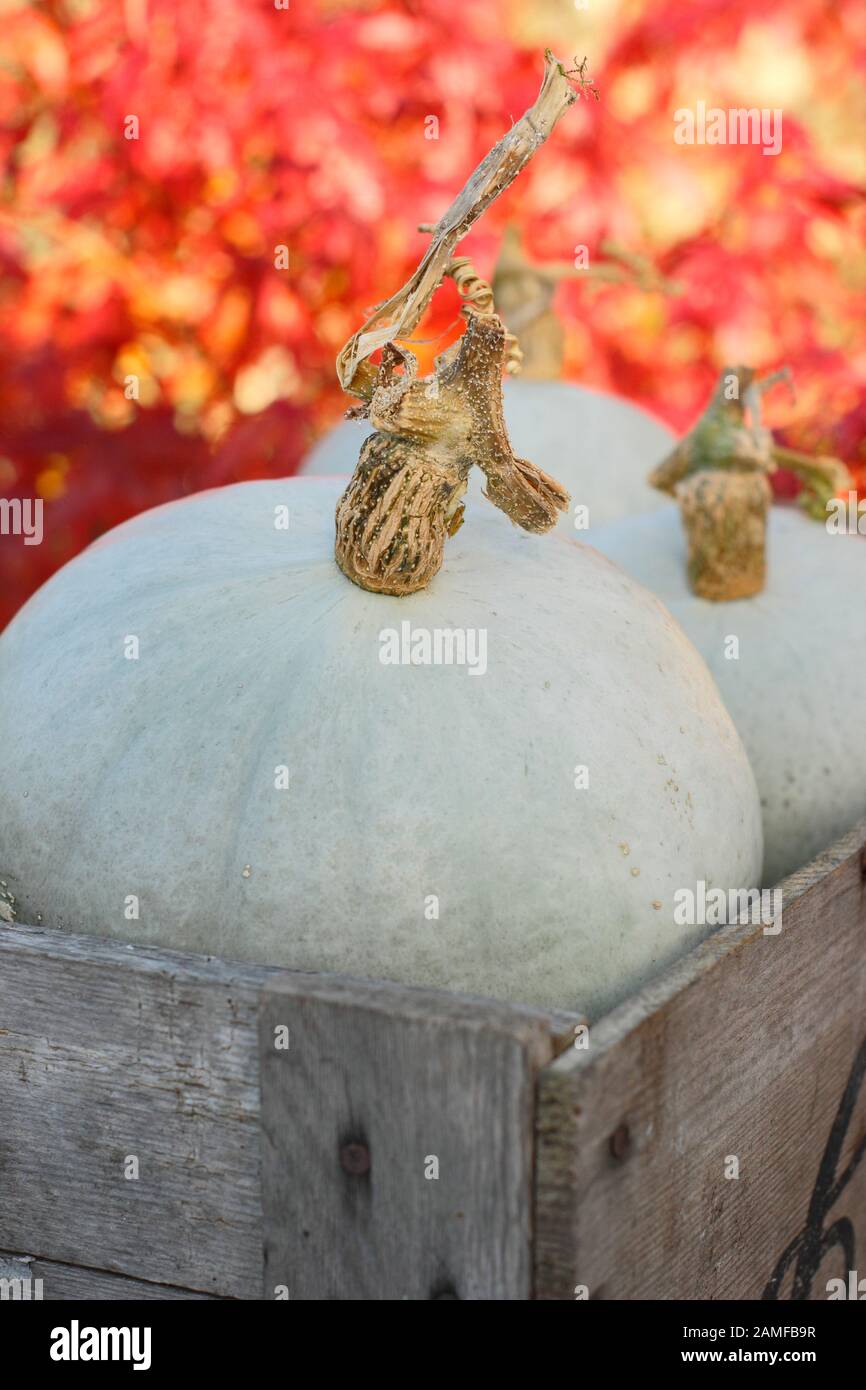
[405,496]
[718,473]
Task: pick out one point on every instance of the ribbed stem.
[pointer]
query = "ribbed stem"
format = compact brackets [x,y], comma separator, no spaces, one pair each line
[404,498]
[718,473]
[725,519]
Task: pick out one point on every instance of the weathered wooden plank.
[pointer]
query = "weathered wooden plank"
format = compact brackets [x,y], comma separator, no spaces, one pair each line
[752,1048]
[397,1141]
[109,1052]
[24,1278]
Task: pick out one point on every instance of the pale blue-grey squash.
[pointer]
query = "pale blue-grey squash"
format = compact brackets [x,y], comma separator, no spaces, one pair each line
[247,778]
[790,663]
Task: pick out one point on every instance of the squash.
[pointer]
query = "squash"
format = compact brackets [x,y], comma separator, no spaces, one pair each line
[214,742]
[779,616]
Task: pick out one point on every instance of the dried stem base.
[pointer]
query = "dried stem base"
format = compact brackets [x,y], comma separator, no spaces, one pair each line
[719,471]
[401,505]
[542,343]
[725,517]
[404,498]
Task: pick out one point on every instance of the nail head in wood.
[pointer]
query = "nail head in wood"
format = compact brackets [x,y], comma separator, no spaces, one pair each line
[620,1143]
[355,1159]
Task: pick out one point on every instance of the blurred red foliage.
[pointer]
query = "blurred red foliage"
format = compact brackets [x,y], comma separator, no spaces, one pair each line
[155,259]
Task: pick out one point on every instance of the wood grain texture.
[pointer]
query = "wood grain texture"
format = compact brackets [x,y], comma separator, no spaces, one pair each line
[383,1080]
[108,1051]
[751,1047]
[70,1283]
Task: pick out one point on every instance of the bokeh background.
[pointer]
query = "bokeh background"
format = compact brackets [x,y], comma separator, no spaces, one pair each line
[304,127]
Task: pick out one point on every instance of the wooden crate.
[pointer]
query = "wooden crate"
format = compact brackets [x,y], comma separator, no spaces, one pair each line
[156,1142]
